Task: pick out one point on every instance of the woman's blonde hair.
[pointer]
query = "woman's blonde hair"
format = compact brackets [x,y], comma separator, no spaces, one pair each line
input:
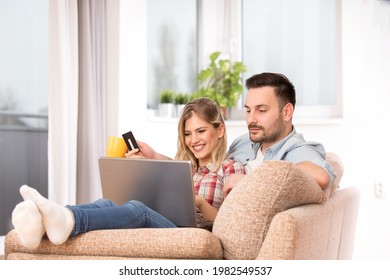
[209,111]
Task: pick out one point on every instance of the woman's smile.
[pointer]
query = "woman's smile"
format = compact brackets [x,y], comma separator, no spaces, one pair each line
[201,138]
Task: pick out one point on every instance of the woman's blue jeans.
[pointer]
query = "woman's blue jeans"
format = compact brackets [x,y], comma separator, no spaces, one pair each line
[105,214]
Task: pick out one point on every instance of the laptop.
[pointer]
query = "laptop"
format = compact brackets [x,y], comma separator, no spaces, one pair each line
[166,186]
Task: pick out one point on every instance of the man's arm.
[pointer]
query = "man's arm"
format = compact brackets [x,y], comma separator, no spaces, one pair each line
[232,182]
[317,172]
[311,157]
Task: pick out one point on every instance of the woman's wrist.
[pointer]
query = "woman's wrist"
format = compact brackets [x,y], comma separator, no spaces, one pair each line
[160,156]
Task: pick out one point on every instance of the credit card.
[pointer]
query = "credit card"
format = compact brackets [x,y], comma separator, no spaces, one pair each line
[130,141]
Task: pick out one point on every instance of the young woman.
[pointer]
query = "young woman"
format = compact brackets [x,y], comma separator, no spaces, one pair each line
[201,139]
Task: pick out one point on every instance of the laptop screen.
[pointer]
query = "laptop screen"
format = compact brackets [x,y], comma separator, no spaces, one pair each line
[166,186]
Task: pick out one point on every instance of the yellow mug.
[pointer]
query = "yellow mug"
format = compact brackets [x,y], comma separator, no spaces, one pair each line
[116,147]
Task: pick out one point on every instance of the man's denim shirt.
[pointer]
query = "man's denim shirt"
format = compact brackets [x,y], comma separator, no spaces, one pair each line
[292,148]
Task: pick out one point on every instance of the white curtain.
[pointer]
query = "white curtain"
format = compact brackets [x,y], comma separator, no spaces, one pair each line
[76,99]
[220,28]
[92,124]
[63,100]
[226,26]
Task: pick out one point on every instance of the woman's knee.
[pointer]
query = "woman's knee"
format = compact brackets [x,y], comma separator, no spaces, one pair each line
[102,203]
[135,204]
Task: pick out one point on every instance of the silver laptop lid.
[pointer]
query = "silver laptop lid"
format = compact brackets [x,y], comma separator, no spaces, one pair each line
[165,186]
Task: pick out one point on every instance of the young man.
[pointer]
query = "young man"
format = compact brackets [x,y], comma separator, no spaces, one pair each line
[270,104]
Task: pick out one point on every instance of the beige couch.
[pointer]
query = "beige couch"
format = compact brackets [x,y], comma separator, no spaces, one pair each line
[277,212]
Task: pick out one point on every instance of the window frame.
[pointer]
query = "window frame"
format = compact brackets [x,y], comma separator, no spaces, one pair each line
[208,14]
[302,112]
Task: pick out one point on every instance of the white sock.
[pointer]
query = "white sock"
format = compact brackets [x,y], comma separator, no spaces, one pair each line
[58,220]
[27,221]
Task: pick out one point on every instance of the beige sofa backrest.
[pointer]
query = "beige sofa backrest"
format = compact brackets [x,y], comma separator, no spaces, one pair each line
[246,214]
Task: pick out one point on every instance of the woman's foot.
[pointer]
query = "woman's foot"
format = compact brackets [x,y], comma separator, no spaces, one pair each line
[27,221]
[58,220]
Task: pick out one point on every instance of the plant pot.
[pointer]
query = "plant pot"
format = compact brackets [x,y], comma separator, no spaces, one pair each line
[166,110]
[226,112]
[179,108]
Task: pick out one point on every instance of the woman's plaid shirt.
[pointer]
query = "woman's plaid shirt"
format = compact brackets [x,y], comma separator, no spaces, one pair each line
[208,183]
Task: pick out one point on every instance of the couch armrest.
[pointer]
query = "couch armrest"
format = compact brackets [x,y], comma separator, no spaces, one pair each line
[178,243]
[298,233]
[314,231]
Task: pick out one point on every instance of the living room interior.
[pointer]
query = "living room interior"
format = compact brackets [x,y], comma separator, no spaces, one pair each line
[354,128]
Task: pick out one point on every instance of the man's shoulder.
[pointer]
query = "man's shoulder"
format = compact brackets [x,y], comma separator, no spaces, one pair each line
[240,144]
[295,141]
[241,149]
[240,140]
[298,142]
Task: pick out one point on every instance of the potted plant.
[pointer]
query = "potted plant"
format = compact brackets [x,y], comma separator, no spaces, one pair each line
[181,100]
[166,106]
[221,81]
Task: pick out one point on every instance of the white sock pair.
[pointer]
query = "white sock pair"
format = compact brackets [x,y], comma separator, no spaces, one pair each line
[27,221]
[37,215]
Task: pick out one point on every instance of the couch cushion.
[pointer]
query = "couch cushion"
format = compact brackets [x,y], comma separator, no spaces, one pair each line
[244,217]
[173,243]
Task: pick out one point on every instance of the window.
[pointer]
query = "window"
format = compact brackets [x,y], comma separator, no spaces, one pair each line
[23,101]
[298,39]
[172,47]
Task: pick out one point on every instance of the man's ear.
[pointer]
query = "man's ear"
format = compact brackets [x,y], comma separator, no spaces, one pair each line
[288,111]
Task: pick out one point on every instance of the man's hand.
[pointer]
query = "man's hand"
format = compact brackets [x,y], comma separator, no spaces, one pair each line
[199,201]
[209,212]
[231,182]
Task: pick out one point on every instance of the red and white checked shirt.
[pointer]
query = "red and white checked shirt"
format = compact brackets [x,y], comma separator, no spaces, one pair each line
[208,183]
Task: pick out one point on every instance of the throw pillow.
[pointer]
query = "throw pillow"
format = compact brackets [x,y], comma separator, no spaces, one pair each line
[245,216]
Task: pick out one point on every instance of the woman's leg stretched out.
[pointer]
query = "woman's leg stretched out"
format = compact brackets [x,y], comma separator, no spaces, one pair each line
[132,214]
[61,222]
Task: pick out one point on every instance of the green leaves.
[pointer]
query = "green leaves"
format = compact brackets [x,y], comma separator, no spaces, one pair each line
[166,96]
[181,98]
[169,96]
[205,74]
[221,81]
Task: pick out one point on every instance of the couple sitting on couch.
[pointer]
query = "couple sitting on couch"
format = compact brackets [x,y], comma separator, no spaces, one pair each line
[270,104]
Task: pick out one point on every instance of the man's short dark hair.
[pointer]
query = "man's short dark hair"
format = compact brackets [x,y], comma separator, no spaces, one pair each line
[284,89]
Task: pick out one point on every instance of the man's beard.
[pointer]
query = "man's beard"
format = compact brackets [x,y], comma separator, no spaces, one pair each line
[267,137]
[257,138]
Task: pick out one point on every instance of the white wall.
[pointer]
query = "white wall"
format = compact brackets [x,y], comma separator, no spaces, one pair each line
[363,137]
[359,138]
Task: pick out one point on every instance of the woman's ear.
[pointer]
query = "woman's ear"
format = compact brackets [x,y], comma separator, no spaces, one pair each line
[221,130]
